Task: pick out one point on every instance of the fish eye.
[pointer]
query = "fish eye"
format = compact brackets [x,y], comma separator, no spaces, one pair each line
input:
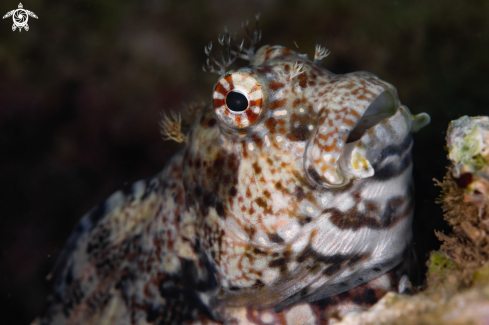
[236,101]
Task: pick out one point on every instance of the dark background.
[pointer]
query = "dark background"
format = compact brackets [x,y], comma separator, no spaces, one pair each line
[81,92]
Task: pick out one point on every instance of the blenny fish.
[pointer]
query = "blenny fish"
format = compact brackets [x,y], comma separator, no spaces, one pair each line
[291,201]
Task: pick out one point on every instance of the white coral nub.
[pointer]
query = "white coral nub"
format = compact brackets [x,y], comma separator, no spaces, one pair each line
[321,53]
[171,127]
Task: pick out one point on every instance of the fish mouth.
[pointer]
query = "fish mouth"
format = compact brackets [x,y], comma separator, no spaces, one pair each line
[350,150]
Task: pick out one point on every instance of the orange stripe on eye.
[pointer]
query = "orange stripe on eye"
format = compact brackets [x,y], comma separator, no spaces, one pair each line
[218,103]
[220,88]
[251,116]
[229,79]
[257,102]
[255,87]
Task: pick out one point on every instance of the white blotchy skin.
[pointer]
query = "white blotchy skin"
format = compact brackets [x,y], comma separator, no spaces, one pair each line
[276,214]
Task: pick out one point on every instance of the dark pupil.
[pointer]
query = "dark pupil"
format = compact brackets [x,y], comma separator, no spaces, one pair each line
[236,102]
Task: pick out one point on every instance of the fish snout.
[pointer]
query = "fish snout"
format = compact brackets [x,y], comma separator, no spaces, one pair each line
[359,118]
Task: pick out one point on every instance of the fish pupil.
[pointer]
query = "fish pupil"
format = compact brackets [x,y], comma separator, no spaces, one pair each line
[236,101]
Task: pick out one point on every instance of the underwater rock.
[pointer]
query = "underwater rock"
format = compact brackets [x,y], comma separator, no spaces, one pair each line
[465,197]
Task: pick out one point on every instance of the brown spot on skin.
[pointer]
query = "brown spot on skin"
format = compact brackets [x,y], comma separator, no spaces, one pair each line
[280,187]
[270,124]
[287,253]
[303,181]
[275,238]
[277,263]
[351,219]
[274,85]
[261,202]
[296,102]
[226,179]
[233,163]
[220,210]
[211,122]
[197,162]
[354,219]
[248,193]
[302,131]
[218,161]
[267,194]
[330,147]
[348,122]
[355,259]
[264,70]
[273,123]
[258,141]
[250,231]
[286,68]
[244,150]
[305,220]
[259,252]
[277,104]
[258,285]
[233,191]
[303,80]
[256,168]
[330,270]
[357,196]
[299,193]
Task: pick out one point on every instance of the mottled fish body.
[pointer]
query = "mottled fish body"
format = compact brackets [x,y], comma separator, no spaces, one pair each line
[292,197]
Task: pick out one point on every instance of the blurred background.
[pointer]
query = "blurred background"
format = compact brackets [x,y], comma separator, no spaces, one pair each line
[82,90]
